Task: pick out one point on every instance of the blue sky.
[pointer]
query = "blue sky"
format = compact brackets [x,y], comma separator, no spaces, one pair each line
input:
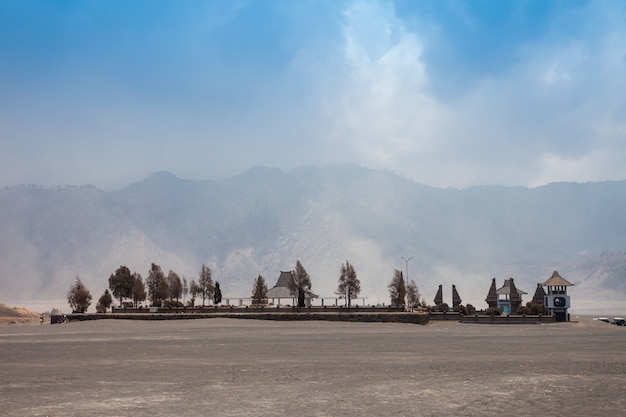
[449,93]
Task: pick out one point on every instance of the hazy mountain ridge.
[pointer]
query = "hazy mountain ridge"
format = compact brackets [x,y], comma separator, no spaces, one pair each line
[264,220]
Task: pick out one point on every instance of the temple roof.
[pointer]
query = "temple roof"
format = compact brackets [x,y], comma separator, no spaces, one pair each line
[557,281]
[439,296]
[539,294]
[492,297]
[281,289]
[279,292]
[456,298]
[506,288]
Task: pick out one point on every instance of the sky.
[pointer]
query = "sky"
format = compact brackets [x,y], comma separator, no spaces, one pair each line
[447,93]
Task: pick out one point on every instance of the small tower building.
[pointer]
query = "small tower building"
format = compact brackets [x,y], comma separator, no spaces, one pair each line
[556,300]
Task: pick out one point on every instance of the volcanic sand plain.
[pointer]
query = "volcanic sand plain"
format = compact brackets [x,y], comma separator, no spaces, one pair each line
[231,367]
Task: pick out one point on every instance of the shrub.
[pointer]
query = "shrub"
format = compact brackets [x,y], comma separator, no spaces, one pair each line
[443,307]
[172,304]
[536,308]
[461,309]
[523,310]
[470,309]
[493,311]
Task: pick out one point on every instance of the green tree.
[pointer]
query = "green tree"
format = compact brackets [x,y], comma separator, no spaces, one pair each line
[79,297]
[205,282]
[104,302]
[121,283]
[217,295]
[412,294]
[175,285]
[299,283]
[397,288]
[349,285]
[157,285]
[138,294]
[259,291]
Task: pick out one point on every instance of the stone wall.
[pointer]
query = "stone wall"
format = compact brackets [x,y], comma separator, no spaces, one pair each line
[261,309]
[351,315]
[507,319]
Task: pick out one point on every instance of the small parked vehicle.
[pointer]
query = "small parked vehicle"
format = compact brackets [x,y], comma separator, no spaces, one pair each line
[619,321]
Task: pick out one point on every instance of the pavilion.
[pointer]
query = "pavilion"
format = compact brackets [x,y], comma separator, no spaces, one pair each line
[280,291]
[508,297]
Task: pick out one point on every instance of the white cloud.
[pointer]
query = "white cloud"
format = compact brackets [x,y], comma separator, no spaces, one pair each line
[555,115]
[357,93]
[597,165]
[381,109]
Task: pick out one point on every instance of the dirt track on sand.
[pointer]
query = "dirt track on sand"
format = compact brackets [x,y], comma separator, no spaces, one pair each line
[228,367]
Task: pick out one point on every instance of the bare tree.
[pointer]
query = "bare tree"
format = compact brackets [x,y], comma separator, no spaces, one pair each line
[259,291]
[79,297]
[349,285]
[397,289]
[299,283]
[205,282]
[412,295]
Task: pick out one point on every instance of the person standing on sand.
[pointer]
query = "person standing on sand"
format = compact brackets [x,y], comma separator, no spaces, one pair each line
[40,319]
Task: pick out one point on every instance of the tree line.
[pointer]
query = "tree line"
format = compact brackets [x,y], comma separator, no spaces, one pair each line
[131,290]
[161,290]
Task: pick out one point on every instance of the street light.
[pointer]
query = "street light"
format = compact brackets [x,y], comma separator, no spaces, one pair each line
[406,266]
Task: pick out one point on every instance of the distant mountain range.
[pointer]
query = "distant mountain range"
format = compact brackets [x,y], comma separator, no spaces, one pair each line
[263,221]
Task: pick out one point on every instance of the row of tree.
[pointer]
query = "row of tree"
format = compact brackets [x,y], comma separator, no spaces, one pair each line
[166,290]
[159,288]
[131,290]
[399,291]
[348,288]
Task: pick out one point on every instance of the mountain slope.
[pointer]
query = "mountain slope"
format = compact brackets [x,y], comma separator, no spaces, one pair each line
[264,220]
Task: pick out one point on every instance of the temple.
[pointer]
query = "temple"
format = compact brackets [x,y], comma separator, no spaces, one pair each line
[507,298]
[456,298]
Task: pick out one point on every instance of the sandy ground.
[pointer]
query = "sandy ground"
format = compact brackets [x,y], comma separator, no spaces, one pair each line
[229,367]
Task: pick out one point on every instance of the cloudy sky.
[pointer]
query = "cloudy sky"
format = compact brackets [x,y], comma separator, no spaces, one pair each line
[448,93]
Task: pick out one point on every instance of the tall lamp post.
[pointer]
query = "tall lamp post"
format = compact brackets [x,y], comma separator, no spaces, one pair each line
[406,268]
